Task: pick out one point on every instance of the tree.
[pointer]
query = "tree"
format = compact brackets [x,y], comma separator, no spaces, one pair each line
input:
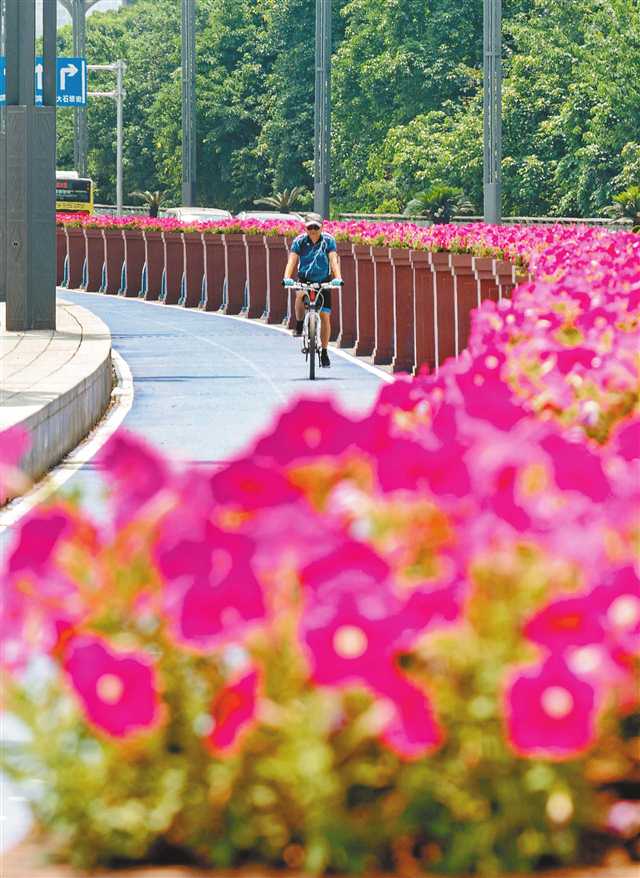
[283,201]
[439,204]
[151,199]
[626,205]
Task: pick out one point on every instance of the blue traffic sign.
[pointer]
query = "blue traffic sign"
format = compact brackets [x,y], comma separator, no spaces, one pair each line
[71,81]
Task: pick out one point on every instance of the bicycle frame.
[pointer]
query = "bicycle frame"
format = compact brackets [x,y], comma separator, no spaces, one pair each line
[311,338]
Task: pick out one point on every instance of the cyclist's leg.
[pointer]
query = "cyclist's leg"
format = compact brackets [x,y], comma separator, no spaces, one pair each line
[299,305]
[325,328]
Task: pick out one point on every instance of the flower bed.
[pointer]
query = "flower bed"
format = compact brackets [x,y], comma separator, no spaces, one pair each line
[403,641]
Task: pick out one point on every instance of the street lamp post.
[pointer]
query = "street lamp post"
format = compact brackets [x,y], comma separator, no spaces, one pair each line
[189,156]
[81,131]
[492,110]
[28,171]
[323,108]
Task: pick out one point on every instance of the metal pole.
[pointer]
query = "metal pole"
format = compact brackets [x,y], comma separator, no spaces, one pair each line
[323,108]
[120,96]
[492,111]
[189,120]
[81,135]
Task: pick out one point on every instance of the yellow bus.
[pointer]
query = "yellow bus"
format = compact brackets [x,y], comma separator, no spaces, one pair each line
[74,194]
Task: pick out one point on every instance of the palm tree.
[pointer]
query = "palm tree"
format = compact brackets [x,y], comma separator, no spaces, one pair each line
[626,205]
[283,201]
[152,199]
[439,204]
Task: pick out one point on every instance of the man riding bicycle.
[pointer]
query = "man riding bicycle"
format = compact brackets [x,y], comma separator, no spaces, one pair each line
[314,254]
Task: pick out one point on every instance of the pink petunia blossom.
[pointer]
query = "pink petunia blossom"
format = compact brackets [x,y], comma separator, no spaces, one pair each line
[118,690]
[233,713]
[14,444]
[251,485]
[135,472]
[550,713]
[413,731]
[572,621]
[576,467]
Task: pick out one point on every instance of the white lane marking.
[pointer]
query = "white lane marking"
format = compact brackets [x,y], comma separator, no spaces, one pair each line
[122,395]
[368,367]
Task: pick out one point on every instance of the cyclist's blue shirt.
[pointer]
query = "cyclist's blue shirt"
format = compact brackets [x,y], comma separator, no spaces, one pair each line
[314,258]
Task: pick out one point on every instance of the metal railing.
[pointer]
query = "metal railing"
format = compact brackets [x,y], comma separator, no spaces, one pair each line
[505,221]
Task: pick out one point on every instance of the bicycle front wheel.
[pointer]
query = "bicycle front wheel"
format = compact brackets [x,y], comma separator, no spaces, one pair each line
[312,346]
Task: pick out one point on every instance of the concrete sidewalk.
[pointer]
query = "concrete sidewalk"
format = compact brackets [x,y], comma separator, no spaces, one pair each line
[57,385]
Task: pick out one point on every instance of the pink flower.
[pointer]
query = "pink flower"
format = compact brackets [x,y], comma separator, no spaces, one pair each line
[626,440]
[412,732]
[212,595]
[549,712]
[573,621]
[39,535]
[412,467]
[577,468]
[135,472]
[14,444]
[233,713]
[251,485]
[618,600]
[311,428]
[488,398]
[624,818]
[118,690]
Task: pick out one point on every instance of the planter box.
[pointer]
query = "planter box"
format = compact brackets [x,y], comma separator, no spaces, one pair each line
[384,324]
[193,256]
[76,255]
[173,267]
[114,261]
[235,262]
[365,301]
[61,255]
[348,321]
[154,264]
[485,276]
[213,272]
[256,268]
[95,260]
[277,252]
[134,260]
[444,293]
[467,296]
[403,340]
[504,274]
[425,336]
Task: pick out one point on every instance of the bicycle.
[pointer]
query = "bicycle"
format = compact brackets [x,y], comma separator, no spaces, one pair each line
[313,301]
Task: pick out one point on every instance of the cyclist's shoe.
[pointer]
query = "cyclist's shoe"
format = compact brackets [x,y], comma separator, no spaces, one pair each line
[297,331]
[325,362]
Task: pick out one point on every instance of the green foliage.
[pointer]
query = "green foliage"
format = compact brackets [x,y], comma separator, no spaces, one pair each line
[439,204]
[285,201]
[152,199]
[626,205]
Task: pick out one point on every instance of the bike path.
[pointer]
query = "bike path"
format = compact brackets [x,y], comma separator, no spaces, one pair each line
[206,385]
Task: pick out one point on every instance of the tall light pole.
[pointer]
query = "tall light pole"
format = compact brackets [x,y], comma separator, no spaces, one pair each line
[189,121]
[322,175]
[28,171]
[80,127]
[492,111]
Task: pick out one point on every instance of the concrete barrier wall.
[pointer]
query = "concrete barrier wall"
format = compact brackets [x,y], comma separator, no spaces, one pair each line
[64,392]
[403,308]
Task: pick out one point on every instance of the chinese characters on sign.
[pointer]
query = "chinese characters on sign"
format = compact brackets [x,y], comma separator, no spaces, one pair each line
[71,81]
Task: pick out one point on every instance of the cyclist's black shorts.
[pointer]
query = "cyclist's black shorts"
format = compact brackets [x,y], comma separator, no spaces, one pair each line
[326,294]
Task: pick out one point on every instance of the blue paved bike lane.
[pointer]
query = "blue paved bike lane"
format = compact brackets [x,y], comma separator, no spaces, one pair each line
[206,385]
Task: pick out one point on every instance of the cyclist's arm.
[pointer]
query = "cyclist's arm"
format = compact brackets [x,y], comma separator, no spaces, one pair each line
[334,264]
[292,265]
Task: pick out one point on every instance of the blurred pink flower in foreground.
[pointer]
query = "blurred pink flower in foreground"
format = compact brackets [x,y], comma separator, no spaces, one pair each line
[118,690]
[14,444]
[550,713]
[233,713]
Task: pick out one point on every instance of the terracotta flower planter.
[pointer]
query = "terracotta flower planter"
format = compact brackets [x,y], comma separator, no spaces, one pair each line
[214,272]
[256,256]
[235,273]
[467,296]
[384,328]
[484,272]
[114,260]
[365,301]
[134,259]
[504,274]
[94,241]
[61,255]
[348,323]
[76,254]
[173,267]
[425,338]
[403,356]
[444,292]
[154,264]
[193,255]
[277,252]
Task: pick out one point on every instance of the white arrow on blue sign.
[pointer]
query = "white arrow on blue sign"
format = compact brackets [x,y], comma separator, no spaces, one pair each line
[71,81]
